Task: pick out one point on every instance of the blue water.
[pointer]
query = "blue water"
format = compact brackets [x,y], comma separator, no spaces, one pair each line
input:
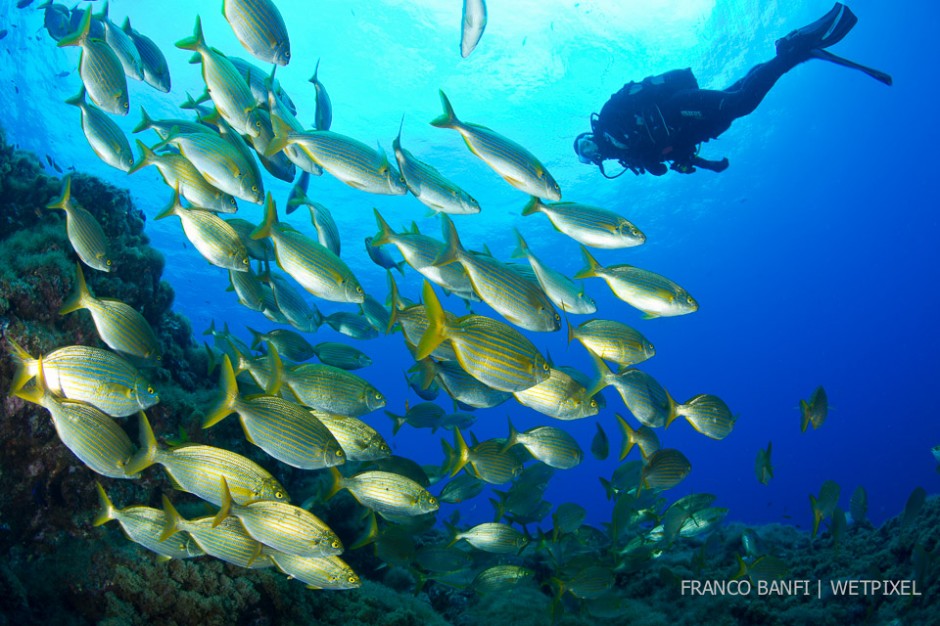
[813,257]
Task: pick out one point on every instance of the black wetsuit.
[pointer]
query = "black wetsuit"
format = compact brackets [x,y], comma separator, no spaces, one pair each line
[667,123]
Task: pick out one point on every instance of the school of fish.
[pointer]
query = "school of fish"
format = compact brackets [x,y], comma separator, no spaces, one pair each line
[311,416]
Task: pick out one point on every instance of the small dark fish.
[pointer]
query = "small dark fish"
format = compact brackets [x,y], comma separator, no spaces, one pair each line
[22,4]
[4,33]
[600,446]
[913,507]
[61,74]
[49,159]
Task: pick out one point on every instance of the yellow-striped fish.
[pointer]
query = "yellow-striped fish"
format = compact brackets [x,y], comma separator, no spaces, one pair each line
[385,493]
[552,446]
[84,231]
[318,270]
[708,415]
[588,225]
[322,220]
[100,69]
[291,303]
[324,114]
[163,127]
[197,469]
[497,355]
[492,537]
[154,65]
[229,91]
[488,460]
[655,295]
[413,321]
[288,343]
[559,288]
[613,341]
[515,164]
[342,356]
[224,166]
[212,237]
[178,173]
[285,430]
[248,288]
[259,27]
[815,411]
[517,299]
[227,541]
[501,578]
[347,159]
[430,187]
[294,153]
[122,45]
[85,374]
[560,396]
[763,467]
[318,573]
[665,469]
[648,401]
[144,525]
[282,526]
[359,441]
[333,390]
[119,325]
[94,437]
[105,137]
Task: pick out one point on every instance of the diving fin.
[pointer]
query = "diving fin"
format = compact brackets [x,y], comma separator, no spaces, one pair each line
[878,75]
[827,31]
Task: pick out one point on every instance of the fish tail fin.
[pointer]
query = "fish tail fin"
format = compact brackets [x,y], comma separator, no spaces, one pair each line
[65,195]
[805,415]
[396,143]
[256,338]
[147,455]
[461,453]
[226,507]
[449,118]
[147,157]
[397,421]
[146,122]
[426,369]
[211,363]
[742,568]
[225,406]
[675,410]
[172,524]
[277,370]
[336,484]
[522,248]
[173,207]
[385,231]
[436,331]
[80,296]
[532,206]
[270,219]
[197,42]
[211,330]
[23,362]
[817,514]
[370,533]
[592,265]
[394,299]
[511,439]
[106,510]
[629,437]
[453,249]
[78,37]
[37,392]
[280,139]
[608,488]
[602,374]
[452,532]
[78,99]
[400,266]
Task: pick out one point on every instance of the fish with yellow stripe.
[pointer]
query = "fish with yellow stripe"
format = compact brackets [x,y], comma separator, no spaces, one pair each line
[613,341]
[105,137]
[494,353]
[197,469]
[144,526]
[259,27]
[519,300]
[488,460]
[560,289]
[347,159]
[386,493]
[311,264]
[560,396]
[285,430]
[97,377]
[552,446]
[651,293]
[515,164]
[213,237]
[318,573]
[94,437]
[588,225]
[100,69]
[119,325]
[84,232]
[282,526]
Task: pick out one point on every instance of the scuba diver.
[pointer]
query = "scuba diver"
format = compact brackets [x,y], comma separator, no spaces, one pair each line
[665,119]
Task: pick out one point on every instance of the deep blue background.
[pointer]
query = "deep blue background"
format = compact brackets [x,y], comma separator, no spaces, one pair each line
[814,257]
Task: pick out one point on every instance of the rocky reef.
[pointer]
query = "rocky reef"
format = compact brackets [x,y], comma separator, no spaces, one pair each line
[55,568]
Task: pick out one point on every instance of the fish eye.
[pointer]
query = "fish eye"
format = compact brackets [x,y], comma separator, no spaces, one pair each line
[150,390]
[258,123]
[336,544]
[545,367]
[339,453]
[108,262]
[689,299]
[378,396]
[557,317]
[358,289]
[353,579]
[432,501]
[125,105]
[245,261]
[593,404]
[254,187]
[279,495]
